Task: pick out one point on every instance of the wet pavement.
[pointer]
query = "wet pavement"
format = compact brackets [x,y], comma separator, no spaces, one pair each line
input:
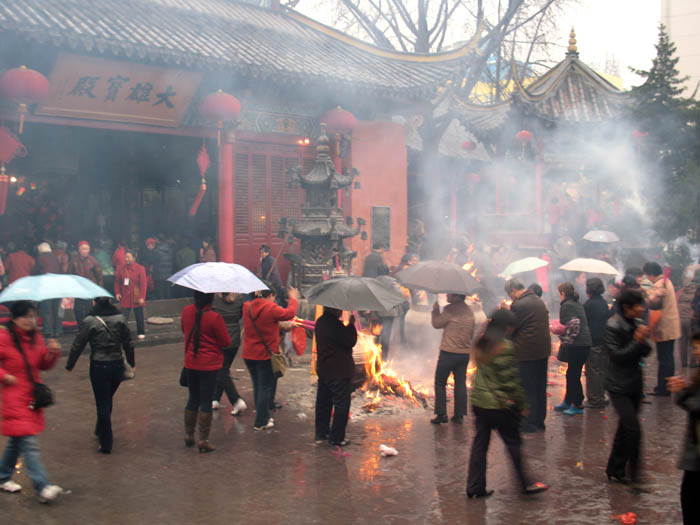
[281,476]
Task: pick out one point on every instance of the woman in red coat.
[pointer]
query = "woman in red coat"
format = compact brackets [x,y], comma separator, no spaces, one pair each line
[130,287]
[205,337]
[19,421]
[261,331]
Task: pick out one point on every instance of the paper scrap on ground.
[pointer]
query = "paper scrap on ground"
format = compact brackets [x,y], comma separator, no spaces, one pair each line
[388,451]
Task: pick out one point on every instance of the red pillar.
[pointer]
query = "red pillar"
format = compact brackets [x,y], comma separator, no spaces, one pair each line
[226,199]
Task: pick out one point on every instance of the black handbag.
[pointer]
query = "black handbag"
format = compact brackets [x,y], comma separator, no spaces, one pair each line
[183,377]
[43,396]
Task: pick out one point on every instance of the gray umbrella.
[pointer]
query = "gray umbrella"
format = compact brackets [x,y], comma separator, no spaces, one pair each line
[354,293]
[438,277]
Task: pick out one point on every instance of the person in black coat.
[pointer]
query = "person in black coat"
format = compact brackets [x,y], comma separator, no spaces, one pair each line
[597,313]
[104,328]
[575,345]
[230,307]
[533,345]
[626,342]
[163,267]
[335,368]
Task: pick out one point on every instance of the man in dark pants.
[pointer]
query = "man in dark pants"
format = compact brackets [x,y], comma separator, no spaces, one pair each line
[662,296]
[230,307]
[532,348]
[457,322]
[85,265]
[335,367]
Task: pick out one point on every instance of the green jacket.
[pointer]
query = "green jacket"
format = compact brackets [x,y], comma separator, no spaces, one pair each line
[497,383]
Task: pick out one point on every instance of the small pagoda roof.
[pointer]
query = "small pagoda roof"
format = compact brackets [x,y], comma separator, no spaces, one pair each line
[571,92]
[276,44]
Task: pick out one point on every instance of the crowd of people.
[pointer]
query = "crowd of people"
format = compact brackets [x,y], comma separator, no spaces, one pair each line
[612,341]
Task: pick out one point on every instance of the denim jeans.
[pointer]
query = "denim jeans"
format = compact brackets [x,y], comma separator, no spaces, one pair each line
[263,380]
[28,447]
[81,308]
[105,377]
[138,314]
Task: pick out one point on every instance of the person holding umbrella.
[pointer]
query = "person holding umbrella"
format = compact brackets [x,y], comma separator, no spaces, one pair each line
[23,351]
[335,367]
[261,318]
[106,331]
[457,322]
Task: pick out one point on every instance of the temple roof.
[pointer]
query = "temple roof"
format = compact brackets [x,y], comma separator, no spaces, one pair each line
[569,93]
[276,44]
[572,92]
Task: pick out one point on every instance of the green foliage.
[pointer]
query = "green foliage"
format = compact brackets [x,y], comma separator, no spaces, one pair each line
[671,148]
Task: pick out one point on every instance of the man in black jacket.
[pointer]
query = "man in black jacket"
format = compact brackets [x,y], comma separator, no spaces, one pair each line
[626,342]
[532,348]
[597,314]
[335,367]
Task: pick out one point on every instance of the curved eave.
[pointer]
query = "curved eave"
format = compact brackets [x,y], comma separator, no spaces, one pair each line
[425,58]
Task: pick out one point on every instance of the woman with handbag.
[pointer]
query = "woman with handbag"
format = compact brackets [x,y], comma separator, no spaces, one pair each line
[261,336]
[104,328]
[22,354]
[205,337]
[575,346]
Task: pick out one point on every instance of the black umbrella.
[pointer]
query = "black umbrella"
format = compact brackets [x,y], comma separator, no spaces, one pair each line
[438,277]
[354,293]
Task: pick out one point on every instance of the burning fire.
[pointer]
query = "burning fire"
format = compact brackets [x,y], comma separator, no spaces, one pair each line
[382,380]
[470,265]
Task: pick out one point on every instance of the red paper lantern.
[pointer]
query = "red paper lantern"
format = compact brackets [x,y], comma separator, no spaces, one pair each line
[468,145]
[220,107]
[339,121]
[23,86]
[523,136]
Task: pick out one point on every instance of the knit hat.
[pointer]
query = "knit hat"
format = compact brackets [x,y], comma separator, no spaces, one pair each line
[81,243]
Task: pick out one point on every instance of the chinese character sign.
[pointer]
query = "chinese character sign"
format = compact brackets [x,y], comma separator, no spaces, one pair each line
[114,90]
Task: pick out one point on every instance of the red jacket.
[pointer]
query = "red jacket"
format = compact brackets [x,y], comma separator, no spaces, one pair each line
[17,418]
[17,265]
[137,287]
[267,316]
[213,337]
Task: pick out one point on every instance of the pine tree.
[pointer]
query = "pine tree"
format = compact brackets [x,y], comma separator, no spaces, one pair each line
[670,150]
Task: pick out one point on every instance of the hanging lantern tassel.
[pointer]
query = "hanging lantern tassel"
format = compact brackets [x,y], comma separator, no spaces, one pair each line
[4,183]
[219,127]
[198,199]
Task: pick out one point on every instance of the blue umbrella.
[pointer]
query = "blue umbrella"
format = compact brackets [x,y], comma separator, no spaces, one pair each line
[213,277]
[52,286]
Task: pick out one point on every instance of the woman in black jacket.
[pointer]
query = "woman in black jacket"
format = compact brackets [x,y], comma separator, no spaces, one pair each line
[104,328]
[626,342]
[575,346]
[597,313]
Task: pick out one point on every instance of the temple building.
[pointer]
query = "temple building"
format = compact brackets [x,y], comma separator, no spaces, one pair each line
[112,149]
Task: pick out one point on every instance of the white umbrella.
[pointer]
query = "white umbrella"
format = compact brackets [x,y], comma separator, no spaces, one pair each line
[601,236]
[527,264]
[213,277]
[589,266]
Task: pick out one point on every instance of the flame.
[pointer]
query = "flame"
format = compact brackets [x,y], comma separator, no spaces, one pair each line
[382,380]
[470,265]
[474,298]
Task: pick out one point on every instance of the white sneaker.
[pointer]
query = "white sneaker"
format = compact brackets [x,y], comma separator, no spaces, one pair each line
[238,407]
[49,493]
[215,405]
[141,336]
[270,424]
[11,486]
